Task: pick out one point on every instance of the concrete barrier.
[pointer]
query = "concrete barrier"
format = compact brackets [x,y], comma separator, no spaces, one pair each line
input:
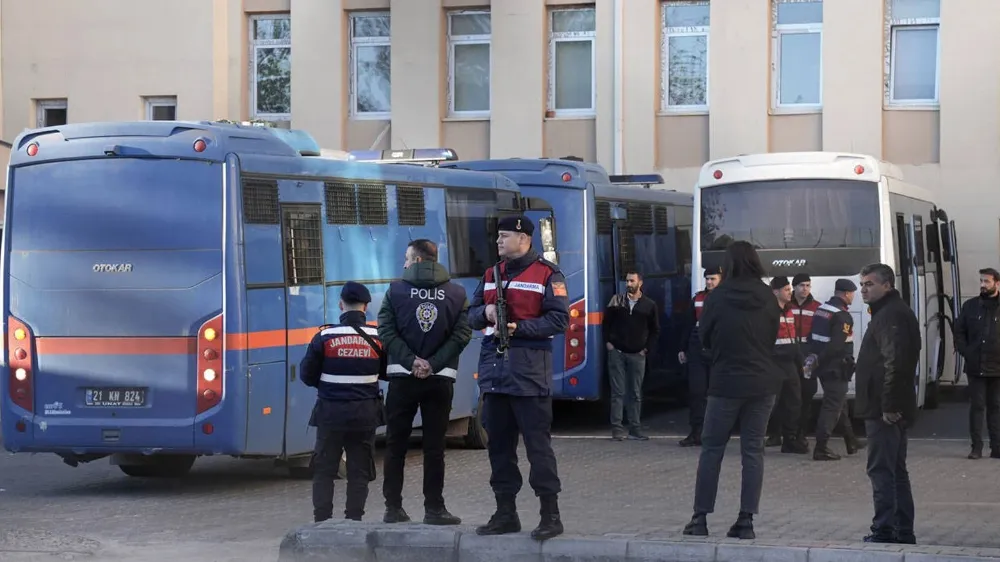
[348,541]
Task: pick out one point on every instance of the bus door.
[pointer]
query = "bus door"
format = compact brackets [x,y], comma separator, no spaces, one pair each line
[909,264]
[305,310]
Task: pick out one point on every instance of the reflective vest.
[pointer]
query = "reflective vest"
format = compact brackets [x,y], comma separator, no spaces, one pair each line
[786,329]
[823,325]
[524,293]
[699,305]
[350,364]
[804,317]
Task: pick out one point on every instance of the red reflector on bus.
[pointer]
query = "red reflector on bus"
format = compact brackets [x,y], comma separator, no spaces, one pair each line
[859,169]
[566,176]
[573,381]
[717,174]
[32,149]
[208,428]
[20,426]
[200,145]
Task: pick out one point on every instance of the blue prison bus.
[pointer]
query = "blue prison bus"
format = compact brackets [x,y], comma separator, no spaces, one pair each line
[161,281]
[596,227]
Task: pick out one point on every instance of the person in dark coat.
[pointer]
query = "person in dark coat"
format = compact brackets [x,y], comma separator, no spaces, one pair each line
[516,382]
[977,338]
[738,329]
[887,400]
[343,363]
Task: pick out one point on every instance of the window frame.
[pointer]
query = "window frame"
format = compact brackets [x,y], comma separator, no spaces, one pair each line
[256,44]
[455,40]
[41,105]
[666,33]
[352,80]
[777,31]
[568,37]
[152,102]
[892,26]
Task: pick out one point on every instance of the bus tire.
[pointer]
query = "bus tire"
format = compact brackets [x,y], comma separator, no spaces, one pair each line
[476,437]
[166,466]
[932,398]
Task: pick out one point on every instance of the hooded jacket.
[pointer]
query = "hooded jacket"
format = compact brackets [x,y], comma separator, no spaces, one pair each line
[737,329]
[424,315]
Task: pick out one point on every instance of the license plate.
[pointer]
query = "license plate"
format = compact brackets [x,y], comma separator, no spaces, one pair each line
[115,397]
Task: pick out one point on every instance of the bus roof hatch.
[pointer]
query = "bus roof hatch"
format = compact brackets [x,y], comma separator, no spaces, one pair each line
[421,156]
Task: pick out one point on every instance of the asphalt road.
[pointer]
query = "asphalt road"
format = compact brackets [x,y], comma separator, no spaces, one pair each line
[229,510]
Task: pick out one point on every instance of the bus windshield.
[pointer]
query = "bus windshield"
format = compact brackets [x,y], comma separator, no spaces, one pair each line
[791,214]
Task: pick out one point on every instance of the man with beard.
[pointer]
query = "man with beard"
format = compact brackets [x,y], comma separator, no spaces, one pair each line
[696,359]
[784,420]
[631,327]
[978,340]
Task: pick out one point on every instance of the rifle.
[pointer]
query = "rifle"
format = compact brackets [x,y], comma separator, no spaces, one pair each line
[500,330]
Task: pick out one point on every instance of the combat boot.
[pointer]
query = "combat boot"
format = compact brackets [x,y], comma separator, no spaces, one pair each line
[698,526]
[550,525]
[853,444]
[505,520]
[824,453]
[792,445]
[743,528]
[773,441]
[693,439]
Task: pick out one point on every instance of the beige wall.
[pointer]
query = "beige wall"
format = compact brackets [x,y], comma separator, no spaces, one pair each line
[104,56]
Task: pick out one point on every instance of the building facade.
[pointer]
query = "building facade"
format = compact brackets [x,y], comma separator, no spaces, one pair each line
[637,85]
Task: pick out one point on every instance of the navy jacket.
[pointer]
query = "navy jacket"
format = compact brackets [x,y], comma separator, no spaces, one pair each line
[832,340]
[344,369]
[424,315]
[526,369]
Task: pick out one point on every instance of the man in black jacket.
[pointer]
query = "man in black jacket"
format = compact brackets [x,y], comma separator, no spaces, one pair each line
[424,325]
[978,340]
[887,400]
[631,328]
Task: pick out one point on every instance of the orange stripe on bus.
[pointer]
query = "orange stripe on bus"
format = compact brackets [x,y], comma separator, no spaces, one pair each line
[116,346]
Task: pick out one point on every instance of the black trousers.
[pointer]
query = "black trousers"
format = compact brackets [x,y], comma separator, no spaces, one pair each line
[833,410]
[784,419]
[891,493]
[330,446]
[698,374]
[508,418]
[984,396]
[809,389]
[433,397]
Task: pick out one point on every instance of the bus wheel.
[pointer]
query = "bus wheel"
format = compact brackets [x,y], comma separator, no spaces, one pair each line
[476,437]
[931,396]
[172,466]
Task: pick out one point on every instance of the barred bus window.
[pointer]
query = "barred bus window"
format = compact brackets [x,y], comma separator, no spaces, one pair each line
[260,201]
[341,202]
[410,205]
[660,219]
[640,218]
[603,212]
[303,246]
[372,204]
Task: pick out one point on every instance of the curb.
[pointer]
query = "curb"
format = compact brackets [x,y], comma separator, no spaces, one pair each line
[350,541]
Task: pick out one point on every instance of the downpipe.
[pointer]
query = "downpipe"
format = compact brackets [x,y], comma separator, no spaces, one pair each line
[618,89]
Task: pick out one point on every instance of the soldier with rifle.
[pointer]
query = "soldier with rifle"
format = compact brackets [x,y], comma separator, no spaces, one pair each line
[522,303]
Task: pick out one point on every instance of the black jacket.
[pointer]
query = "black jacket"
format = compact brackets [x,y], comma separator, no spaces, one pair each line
[887,362]
[738,329]
[631,330]
[977,337]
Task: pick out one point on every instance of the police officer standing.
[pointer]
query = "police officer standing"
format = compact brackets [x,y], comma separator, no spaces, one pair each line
[343,362]
[695,358]
[831,360]
[424,326]
[517,381]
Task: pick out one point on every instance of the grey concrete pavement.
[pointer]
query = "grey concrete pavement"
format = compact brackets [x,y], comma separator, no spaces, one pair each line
[239,510]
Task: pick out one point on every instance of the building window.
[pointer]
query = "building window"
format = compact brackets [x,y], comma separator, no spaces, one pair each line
[371,83]
[571,61]
[52,113]
[271,67]
[161,108]
[797,60]
[685,56]
[913,59]
[469,63]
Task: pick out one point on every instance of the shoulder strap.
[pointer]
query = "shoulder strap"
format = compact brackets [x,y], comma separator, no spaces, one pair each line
[383,361]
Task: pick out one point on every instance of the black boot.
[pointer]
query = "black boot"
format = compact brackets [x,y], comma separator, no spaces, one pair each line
[773,441]
[976,453]
[794,446]
[851,442]
[743,528]
[550,525]
[693,439]
[824,453]
[395,514]
[440,516]
[505,520]
[698,526]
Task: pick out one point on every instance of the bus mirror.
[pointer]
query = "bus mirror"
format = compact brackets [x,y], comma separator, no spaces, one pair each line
[946,246]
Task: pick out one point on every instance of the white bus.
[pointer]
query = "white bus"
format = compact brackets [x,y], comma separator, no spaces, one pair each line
[828,214]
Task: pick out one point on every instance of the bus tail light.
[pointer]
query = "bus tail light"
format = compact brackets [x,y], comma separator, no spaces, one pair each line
[210,375]
[576,335]
[717,174]
[20,343]
[859,169]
